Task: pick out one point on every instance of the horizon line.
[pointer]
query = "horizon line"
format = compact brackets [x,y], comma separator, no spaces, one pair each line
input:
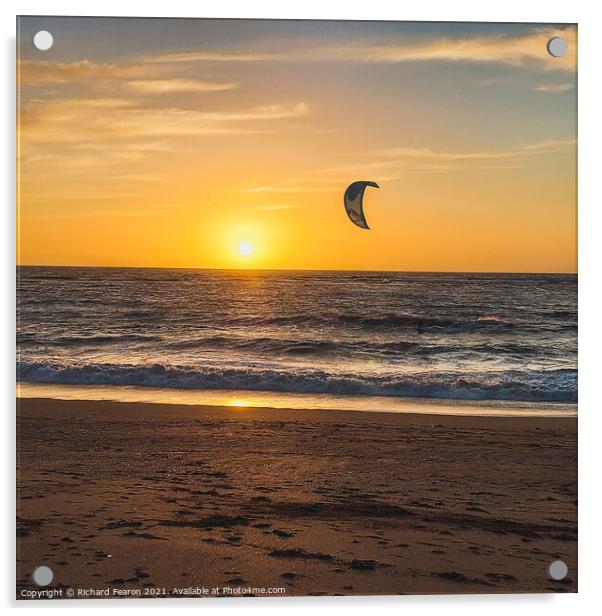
[294,269]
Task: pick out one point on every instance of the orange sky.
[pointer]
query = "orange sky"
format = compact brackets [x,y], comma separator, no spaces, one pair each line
[182,143]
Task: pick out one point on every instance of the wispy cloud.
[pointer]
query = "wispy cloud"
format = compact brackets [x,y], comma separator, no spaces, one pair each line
[520,151]
[140,77]
[77,129]
[103,142]
[292,188]
[168,86]
[35,72]
[525,50]
[490,81]
[425,160]
[528,50]
[554,88]
[548,145]
[433,169]
[54,120]
[210,56]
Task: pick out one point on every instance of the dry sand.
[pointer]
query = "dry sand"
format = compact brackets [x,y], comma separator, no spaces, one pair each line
[157,498]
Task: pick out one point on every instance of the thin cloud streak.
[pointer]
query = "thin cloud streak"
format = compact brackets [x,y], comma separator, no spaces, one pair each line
[554,88]
[522,150]
[288,189]
[210,56]
[169,86]
[526,51]
[37,72]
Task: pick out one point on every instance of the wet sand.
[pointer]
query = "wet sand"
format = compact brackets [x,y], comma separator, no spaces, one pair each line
[157,499]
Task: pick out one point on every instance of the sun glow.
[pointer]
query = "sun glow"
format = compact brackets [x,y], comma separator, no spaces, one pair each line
[239,403]
[245,249]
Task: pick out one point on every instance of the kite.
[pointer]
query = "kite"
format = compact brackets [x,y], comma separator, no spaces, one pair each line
[354,196]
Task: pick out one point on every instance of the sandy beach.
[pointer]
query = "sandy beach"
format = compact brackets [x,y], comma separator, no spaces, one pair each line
[162,500]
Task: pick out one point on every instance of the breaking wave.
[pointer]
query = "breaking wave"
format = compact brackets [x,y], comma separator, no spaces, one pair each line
[549,386]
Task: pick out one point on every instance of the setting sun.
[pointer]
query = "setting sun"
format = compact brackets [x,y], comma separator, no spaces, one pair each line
[245,249]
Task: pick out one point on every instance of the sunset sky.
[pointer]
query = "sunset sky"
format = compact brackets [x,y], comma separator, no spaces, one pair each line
[226,143]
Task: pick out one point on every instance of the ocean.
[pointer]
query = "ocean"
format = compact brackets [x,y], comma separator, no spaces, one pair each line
[346,335]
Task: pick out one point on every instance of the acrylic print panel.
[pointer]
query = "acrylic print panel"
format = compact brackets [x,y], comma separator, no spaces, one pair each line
[297,308]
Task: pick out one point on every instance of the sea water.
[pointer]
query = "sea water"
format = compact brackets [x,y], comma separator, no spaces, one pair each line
[323,337]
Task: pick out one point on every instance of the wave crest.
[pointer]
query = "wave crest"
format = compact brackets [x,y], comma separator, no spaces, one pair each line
[549,386]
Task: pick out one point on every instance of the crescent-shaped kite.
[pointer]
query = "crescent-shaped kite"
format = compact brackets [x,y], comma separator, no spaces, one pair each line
[354,196]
